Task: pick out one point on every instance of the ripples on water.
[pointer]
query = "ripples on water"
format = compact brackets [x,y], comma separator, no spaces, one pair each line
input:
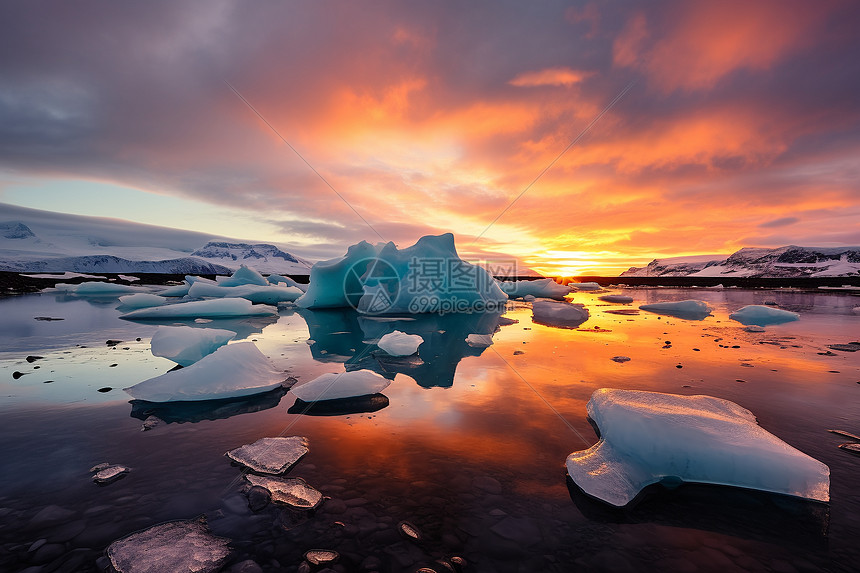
[462,445]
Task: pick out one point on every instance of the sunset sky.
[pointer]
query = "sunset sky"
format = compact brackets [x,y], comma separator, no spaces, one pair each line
[741,126]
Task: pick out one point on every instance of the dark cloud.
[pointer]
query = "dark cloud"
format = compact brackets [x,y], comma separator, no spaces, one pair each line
[781,222]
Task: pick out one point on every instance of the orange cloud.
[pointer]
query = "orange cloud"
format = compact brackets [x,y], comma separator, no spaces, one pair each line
[549,77]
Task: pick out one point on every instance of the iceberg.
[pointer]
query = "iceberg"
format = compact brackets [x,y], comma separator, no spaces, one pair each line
[561,314]
[221,308]
[269,294]
[342,385]
[616,298]
[234,370]
[278,279]
[542,288]
[399,343]
[759,315]
[650,437]
[96,288]
[141,300]
[270,455]
[687,309]
[243,276]
[173,546]
[427,277]
[294,492]
[186,345]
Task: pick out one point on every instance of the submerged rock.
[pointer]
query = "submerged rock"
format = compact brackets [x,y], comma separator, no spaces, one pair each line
[270,455]
[175,546]
[650,437]
[294,492]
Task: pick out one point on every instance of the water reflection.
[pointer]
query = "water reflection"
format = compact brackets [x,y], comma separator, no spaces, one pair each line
[340,406]
[199,410]
[244,327]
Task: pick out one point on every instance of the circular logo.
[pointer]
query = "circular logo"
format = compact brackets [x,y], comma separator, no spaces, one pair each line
[371,286]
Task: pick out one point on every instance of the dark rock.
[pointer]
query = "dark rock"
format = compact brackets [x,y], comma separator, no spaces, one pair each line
[487,484]
[520,530]
[48,552]
[112,342]
[247,566]
[17,374]
[33,358]
[51,515]
[258,498]
[105,389]
[47,318]
[112,366]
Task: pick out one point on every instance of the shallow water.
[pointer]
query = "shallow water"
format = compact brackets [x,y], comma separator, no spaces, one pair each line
[470,448]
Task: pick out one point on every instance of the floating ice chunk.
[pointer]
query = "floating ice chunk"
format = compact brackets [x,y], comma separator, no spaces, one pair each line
[220,308]
[399,343]
[585,286]
[278,279]
[688,309]
[294,492]
[141,300]
[110,474]
[754,328]
[562,314]
[96,288]
[243,276]
[174,546]
[763,315]
[342,385]
[255,293]
[176,291]
[649,437]
[234,370]
[479,340]
[542,288]
[271,455]
[186,345]
[621,359]
[129,278]
[616,298]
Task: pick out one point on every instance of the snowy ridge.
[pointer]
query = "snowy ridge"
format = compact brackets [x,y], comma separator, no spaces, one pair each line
[789,261]
[111,264]
[263,257]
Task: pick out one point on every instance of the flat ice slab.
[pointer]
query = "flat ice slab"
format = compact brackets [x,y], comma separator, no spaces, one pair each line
[96,288]
[542,288]
[231,371]
[616,298]
[759,315]
[186,345]
[342,385]
[271,455]
[294,492]
[141,300]
[688,309]
[174,546]
[399,343]
[220,308]
[585,286]
[269,294]
[648,437]
[110,474]
[561,314]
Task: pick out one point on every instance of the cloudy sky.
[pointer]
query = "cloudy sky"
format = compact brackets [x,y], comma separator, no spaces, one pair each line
[739,126]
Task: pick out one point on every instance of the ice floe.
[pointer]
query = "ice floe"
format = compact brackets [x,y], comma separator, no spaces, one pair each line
[186,345]
[109,474]
[269,294]
[586,286]
[541,288]
[479,340]
[96,288]
[399,343]
[278,279]
[650,437]
[561,314]
[271,455]
[616,298]
[219,308]
[141,300]
[294,492]
[687,309]
[234,370]
[173,546]
[760,315]
[342,385]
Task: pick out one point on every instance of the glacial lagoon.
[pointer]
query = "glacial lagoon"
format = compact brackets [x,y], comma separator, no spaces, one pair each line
[467,444]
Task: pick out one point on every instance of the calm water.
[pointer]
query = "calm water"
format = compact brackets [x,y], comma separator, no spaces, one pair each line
[467,449]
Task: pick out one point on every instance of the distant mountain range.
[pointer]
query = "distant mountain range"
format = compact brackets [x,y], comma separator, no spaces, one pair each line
[43,241]
[790,261]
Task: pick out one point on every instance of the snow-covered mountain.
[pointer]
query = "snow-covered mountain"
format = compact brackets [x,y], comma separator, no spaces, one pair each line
[33,240]
[789,261]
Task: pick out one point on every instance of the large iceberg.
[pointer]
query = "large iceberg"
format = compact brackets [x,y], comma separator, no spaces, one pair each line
[561,314]
[649,437]
[760,315]
[221,308]
[427,277]
[342,385]
[541,288]
[687,309]
[269,294]
[186,345]
[234,370]
[399,343]
[243,276]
